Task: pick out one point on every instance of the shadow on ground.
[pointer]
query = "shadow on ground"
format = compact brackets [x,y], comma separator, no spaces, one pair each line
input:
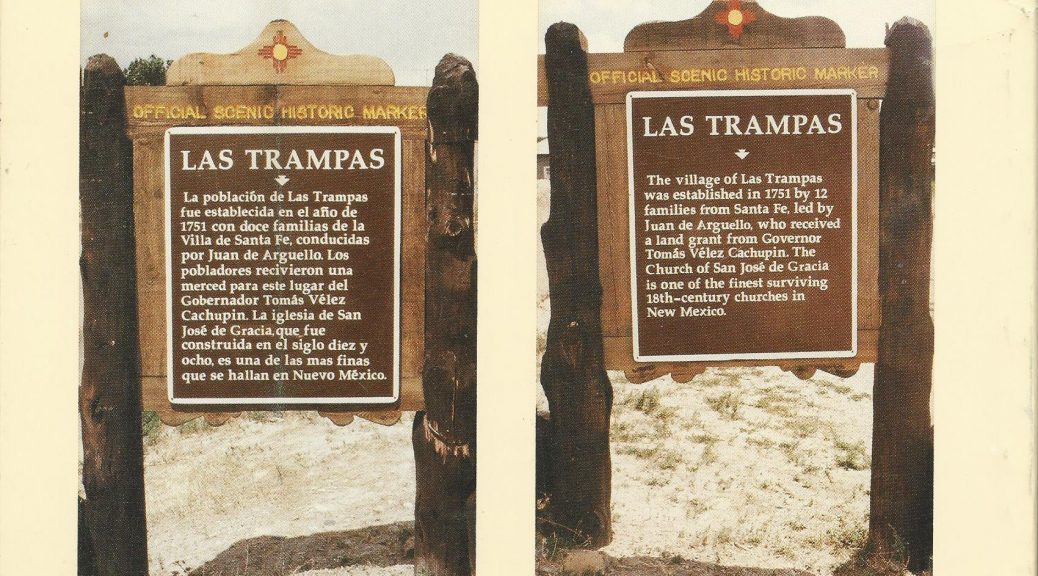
[386,545]
[651,566]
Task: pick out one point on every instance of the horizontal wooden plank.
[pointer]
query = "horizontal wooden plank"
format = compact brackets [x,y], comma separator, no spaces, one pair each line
[153,397]
[612,75]
[618,356]
[150,110]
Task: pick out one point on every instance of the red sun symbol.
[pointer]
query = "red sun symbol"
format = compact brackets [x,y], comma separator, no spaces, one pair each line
[280,52]
[734,17]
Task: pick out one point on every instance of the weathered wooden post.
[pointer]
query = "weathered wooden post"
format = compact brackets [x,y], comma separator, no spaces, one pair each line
[444,434]
[109,394]
[580,396]
[901,521]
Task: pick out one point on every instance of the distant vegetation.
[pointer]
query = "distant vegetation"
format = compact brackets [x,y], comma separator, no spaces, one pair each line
[150,71]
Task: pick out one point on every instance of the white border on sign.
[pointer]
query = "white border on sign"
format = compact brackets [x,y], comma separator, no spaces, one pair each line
[397,261]
[854,226]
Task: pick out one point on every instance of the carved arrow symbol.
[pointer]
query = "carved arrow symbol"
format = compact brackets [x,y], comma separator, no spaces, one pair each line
[281,179]
[742,153]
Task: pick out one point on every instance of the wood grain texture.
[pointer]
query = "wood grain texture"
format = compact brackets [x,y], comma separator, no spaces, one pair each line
[150,110]
[901,521]
[766,30]
[307,66]
[109,394]
[573,374]
[612,75]
[444,434]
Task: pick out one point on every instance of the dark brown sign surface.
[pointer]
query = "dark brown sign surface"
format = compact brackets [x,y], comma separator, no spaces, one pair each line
[283,265]
[743,224]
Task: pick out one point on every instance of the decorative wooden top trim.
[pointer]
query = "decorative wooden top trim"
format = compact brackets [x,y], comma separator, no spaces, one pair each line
[280,55]
[735,24]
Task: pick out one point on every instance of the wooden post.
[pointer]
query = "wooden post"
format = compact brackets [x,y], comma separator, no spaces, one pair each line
[901,521]
[110,392]
[580,396]
[444,435]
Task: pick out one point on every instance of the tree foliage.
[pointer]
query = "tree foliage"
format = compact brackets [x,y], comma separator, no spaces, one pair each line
[150,71]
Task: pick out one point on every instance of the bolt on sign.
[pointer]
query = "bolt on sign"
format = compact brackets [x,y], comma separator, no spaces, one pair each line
[743,224]
[283,264]
[736,163]
[279,205]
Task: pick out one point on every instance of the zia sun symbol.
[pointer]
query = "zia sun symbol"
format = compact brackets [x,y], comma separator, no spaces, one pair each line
[734,17]
[280,52]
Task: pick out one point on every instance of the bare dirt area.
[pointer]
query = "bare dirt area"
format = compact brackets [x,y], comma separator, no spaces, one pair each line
[747,467]
[270,494]
[737,468]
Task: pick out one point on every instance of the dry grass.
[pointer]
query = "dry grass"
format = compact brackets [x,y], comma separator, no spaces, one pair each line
[747,467]
[271,474]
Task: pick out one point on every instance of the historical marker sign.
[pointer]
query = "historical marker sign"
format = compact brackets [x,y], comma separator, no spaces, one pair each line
[283,265]
[743,224]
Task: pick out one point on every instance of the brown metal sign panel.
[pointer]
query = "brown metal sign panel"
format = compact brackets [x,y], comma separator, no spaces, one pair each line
[283,265]
[743,224]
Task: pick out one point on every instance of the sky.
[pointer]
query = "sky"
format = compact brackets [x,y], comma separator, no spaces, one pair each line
[411,36]
[606,22]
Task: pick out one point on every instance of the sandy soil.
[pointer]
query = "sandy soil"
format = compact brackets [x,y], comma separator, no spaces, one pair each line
[748,467]
[289,475]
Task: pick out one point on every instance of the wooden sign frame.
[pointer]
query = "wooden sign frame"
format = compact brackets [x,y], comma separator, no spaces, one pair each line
[649,67]
[199,94]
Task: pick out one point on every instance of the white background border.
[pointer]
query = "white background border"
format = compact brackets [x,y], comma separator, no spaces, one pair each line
[983,403]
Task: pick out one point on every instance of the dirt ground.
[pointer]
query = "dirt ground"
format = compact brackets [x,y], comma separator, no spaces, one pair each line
[280,494]
[752,468]
[739,467]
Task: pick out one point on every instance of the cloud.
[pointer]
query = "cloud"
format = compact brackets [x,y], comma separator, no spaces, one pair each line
[410,36]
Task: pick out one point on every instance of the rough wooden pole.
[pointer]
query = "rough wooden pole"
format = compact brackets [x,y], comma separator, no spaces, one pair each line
[901,521]
[444,435]
[110,393]
[580,396]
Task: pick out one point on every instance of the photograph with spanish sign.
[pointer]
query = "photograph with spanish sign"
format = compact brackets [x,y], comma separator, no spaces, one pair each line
[743,228]
[278,253]
[283,264]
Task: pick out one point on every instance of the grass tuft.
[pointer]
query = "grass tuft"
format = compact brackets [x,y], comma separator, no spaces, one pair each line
[726,404]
